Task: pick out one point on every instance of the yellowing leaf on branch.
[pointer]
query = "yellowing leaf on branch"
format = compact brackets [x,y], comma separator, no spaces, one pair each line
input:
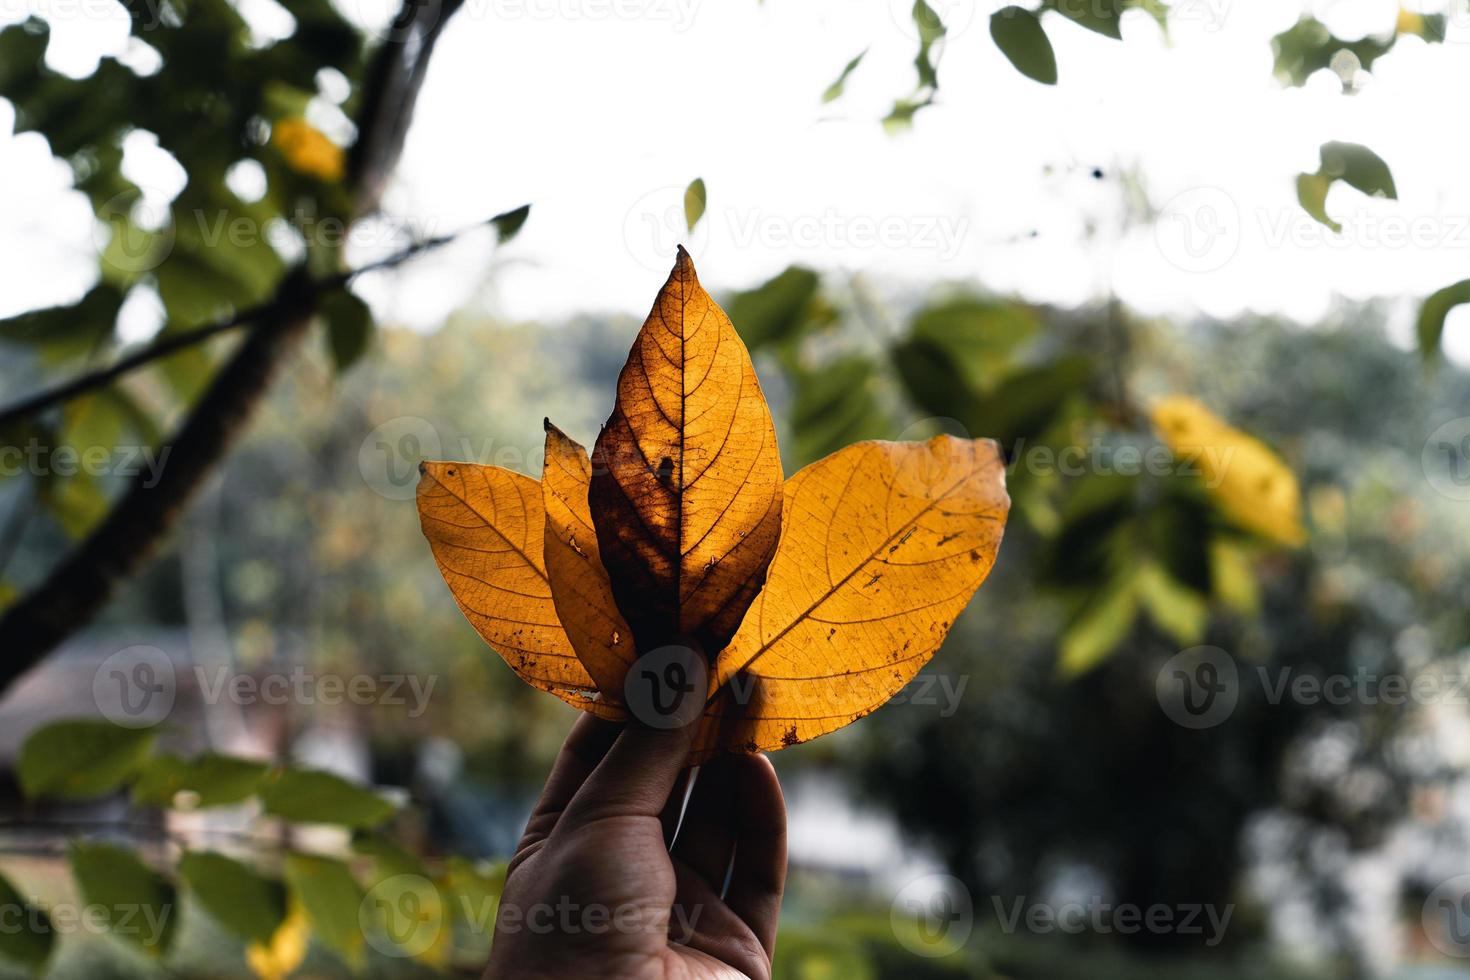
[286,950]
[809,602]
[1249,483]
[307,150]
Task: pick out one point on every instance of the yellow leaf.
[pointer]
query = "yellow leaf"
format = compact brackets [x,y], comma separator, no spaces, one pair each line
[579,583]
[686,482]
[1250,484]
[885,542]
[286,950]
[307,150]
[486,528]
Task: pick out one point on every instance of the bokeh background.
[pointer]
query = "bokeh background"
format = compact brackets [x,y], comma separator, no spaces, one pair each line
[1197,266]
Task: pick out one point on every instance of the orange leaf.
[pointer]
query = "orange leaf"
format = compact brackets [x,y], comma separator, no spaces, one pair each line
[486,528]
[884,544]
[579,584]
[686,482]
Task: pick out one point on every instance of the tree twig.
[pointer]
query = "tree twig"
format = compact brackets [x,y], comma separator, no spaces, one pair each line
[174,343]
[77,588]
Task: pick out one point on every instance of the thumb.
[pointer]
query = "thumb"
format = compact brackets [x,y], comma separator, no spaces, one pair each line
[636,776]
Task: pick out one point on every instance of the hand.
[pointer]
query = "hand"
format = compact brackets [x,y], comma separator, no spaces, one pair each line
[593,889]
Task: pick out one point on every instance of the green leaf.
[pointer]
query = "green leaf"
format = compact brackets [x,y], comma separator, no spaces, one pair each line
[1097,629]
[1358,167]
[332,899]
[835,90]
[26,933]
[777,309]
[403,904]
[508,225]
[694,201]
[1311,191]
[1174,608]
[215,780]
[138,904]
[349,328]
[79,759]
[1102,16]
[64,332]
[1308,47]
[475,898]
[248,904]
[980,335]
[835,406]
[308,796]
[1022,39]
[1433,313]
[1355,165]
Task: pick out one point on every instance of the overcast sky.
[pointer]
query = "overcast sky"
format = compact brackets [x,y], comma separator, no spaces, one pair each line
[599,112]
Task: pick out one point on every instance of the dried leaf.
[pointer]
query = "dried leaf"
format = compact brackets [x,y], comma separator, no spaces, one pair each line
[885,542]
[686,482]
[486,528]
[579,584]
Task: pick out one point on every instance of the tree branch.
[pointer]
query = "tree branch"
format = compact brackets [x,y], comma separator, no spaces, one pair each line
[174,343]
[74,591]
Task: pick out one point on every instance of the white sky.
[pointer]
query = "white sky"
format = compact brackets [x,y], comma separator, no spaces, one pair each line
[599,112]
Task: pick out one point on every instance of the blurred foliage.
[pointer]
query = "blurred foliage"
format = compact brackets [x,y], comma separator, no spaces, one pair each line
[1317,547]
[223,105]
